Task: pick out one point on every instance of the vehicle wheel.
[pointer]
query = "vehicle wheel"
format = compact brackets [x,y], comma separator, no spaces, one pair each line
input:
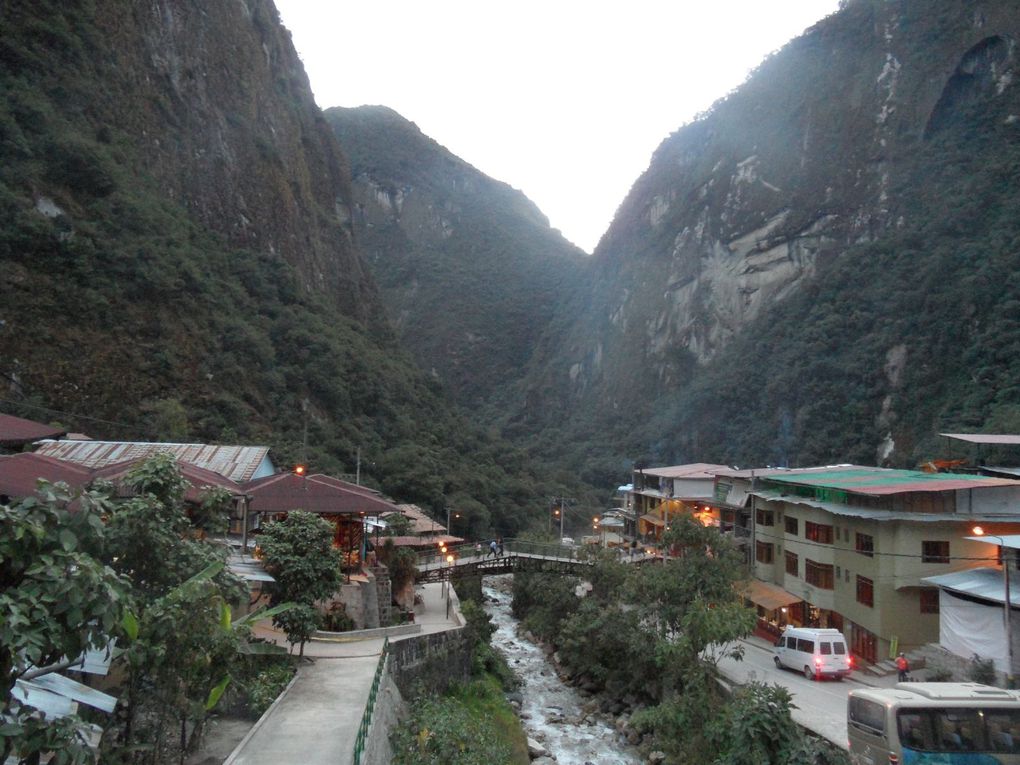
[779,664]
[808,673]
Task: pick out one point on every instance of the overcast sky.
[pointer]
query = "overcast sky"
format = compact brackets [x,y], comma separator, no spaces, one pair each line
[563,99]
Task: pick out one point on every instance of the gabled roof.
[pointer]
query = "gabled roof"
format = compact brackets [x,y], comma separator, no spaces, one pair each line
[420,522]
[874,481]
[238,463]
[198,477]
[14,431]
[286,492]
[20,473]
[693,470]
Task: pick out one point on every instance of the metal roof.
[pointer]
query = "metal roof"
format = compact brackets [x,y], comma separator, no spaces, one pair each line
[20,473]
[287,492]
[198,478]
[984,438]
[238,463]
[1012,541]
[885,515]
[876,481]
[984,583]
[15,431]
[694,470]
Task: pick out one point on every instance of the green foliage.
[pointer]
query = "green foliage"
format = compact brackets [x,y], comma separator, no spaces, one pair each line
[981,670]
[298,551]
[56,601]
[266,686]
[401,562]
[471,726]
[541,602]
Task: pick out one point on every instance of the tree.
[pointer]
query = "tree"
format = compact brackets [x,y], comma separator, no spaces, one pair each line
[298,551]
[56,601]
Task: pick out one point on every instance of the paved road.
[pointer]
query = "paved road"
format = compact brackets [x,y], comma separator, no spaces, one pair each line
[821,704]
[316,722]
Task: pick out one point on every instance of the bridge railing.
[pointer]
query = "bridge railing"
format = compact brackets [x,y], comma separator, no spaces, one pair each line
[468,552]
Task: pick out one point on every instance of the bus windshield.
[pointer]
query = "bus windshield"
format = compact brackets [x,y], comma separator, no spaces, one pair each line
[959,730]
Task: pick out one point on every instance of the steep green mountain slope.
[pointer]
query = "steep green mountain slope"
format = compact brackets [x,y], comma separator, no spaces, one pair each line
[822,268]
[178,261]
[468,267]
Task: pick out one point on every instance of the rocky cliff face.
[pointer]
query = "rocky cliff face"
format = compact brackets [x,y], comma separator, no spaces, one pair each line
[826,149]
[469,268]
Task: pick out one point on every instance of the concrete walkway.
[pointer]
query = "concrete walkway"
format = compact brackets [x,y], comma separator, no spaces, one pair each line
[316,720]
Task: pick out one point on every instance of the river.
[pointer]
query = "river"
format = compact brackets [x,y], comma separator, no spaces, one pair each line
[551,712]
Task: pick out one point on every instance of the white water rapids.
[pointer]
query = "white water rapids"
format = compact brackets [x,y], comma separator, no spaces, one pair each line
[551,712]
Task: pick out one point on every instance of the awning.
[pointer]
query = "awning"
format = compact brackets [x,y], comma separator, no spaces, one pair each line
[769,596]
[653,519]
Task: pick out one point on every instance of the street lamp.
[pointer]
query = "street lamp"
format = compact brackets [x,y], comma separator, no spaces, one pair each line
[449,563]
[980,532]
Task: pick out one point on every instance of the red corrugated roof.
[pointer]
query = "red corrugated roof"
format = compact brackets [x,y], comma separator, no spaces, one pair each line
[198,477]
[20,473]
[14,431]
[286,492]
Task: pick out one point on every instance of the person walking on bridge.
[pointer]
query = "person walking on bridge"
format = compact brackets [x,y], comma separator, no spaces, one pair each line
[492,548]
[499,543]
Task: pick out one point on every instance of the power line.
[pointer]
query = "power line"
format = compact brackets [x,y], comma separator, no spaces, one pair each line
[65,414]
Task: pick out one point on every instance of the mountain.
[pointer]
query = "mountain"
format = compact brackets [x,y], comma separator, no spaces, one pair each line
[179,260]
[822,268]
[468,267]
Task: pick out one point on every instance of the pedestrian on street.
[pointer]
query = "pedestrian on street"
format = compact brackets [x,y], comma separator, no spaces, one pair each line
[903,666]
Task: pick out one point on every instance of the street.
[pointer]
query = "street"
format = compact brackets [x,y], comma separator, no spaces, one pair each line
[820,704]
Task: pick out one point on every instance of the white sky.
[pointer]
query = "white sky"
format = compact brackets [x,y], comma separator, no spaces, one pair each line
[563,99]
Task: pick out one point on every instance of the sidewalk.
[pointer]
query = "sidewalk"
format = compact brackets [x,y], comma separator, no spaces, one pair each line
[316,720]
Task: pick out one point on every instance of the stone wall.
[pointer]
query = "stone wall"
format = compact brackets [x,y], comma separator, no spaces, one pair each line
[389,706]
[432,661]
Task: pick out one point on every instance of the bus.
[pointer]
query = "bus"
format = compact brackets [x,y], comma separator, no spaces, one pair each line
[934,724]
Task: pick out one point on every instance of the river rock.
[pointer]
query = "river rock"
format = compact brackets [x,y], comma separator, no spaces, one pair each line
[656,757]
[536,750]
[544,761]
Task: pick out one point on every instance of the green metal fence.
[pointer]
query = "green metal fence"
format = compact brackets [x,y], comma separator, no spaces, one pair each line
[366,719]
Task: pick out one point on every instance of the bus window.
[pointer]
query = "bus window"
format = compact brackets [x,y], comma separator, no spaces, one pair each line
[912,729]
[1003,730]
[958,730]
[867,715]
[825,649]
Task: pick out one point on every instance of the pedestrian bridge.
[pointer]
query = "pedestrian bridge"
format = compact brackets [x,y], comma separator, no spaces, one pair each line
[518,555]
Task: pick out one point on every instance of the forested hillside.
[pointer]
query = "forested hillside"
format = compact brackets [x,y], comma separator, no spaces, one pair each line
[179,263]
[822,268]
[468,267]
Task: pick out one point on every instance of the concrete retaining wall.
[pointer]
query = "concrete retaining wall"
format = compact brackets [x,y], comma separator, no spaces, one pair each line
[431,661]
[389,705]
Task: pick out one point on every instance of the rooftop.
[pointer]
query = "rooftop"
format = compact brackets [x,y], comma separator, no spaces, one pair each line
[876,481]
[287,492]
[238,463]
[15,431]
[693,470]
[984,438]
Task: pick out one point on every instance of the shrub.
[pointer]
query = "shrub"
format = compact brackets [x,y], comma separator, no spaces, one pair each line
[981,670]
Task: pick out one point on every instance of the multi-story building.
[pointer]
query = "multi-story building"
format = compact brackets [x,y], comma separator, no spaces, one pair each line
[848,546]
[659,494]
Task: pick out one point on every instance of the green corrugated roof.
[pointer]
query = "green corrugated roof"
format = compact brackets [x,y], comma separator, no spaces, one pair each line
[873,480]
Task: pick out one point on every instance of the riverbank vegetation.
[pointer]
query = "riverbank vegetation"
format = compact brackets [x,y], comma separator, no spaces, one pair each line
[472,723]
[646,638]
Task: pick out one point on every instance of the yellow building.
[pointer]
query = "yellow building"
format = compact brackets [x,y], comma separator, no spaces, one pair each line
[660,494]
[850,545]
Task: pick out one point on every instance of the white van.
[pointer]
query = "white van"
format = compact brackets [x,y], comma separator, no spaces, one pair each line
[815,652]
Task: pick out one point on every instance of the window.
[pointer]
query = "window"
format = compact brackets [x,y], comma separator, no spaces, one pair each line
[867,715]
[935,552]
[818,574]
[805,646]
[865,544]
[865,591]
[792,564]
[763,552]
[930,600]
[764,518]
[818,532]
[792,525]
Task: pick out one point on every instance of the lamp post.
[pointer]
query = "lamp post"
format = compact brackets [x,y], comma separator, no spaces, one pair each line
[449,570]
[980,532]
